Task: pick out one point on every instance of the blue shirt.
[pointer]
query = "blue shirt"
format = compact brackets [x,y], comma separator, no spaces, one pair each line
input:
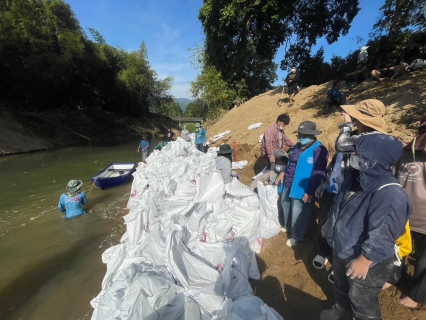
[200,136]
[144,144]
[72,206]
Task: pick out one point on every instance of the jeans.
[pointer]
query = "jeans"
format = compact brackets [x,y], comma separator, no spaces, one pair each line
[296,215]
[200,147]
[361,296]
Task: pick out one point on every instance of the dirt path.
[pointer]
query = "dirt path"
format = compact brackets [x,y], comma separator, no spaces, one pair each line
[289,282]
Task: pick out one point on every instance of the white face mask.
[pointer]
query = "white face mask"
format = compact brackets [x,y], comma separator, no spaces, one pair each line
[281,128]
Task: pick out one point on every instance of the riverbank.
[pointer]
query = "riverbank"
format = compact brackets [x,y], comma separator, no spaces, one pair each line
[34,131]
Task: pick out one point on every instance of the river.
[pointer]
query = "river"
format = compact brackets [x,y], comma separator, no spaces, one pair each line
[51,267]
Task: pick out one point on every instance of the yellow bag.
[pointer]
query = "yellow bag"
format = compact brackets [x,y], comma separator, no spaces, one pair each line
[404,242]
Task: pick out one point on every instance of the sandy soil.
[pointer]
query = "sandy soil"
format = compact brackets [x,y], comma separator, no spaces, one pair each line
[289,282]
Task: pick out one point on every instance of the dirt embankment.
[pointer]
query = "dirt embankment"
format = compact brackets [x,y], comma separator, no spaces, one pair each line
[289,282]
[33,131]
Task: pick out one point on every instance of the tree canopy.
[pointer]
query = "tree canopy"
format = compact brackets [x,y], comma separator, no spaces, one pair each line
[47,62]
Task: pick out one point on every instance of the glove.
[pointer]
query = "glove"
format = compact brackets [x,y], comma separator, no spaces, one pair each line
[238,176]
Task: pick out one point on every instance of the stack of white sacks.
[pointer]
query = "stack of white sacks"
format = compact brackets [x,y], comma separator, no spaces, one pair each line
[188,251]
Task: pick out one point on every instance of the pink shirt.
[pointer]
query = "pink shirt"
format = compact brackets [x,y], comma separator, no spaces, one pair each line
[271,141]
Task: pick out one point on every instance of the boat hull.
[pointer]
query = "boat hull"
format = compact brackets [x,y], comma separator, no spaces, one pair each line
[114,175]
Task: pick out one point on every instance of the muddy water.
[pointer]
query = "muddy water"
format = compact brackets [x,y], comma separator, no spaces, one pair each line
[50,267]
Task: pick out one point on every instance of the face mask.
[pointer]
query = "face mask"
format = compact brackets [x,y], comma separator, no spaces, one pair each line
[304,141]
[354,162]
[196,130]
[279,168]
[281,128]
[293,70]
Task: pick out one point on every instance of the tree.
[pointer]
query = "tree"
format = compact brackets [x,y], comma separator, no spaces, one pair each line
[196,109]
[243,36]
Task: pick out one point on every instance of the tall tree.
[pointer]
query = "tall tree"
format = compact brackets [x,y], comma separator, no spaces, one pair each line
[243,36]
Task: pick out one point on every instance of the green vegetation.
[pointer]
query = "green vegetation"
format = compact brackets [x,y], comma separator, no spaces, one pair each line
[400,30]
[47,62]
[242,39]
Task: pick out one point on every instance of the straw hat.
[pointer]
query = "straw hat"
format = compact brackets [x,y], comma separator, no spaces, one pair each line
[369,112]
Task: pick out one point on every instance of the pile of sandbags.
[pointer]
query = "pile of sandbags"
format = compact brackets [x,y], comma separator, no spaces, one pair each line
[188,251]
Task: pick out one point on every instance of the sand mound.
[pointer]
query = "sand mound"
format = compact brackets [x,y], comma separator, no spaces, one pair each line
[289,282]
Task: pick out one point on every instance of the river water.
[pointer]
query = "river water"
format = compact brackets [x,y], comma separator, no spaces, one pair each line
[51,267]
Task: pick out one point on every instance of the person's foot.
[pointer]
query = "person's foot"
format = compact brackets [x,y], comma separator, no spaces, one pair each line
[386,285]
[406,301]
[291,243]
[282,229]
[335,313]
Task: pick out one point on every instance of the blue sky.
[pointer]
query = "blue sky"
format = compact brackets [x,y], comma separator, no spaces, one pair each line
[170,27]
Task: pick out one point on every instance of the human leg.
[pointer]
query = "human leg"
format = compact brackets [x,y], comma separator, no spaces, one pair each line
[300,214]
[286,206]
[342,307]
[144,155]
[324,249]
[417,291]
[364,294]
[200,147]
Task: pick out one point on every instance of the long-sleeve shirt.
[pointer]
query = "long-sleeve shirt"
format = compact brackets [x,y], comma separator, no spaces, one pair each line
[224,166]
[271,141]
[200,136]
[185,135]
[293,76]
[318,170]
[72,206]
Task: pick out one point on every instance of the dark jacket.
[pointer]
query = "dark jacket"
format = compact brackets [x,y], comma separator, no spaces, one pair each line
[294,77]
[367,220]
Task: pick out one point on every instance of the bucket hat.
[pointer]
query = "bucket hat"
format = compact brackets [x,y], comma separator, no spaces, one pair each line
[74,185]
[197,125]
[280,154]
[364,48]
[224,149]
[369,112]
[308,127]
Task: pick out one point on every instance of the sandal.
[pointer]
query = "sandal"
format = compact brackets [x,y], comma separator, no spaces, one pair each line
[334,314]
[319,262]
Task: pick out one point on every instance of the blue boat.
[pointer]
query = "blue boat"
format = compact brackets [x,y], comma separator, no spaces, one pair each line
[114,175]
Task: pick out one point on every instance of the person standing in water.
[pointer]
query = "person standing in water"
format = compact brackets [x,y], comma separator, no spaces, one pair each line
[144,148]
[70,203]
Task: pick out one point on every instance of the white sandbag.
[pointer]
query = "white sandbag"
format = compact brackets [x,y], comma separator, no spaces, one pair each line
[217,137]
[239,164]
[252,308]
[264,170]
[254,126]
[237,189]
[239,285]
[211,187]
[268,197]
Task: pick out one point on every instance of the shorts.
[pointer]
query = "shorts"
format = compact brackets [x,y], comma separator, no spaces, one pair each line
[292,88]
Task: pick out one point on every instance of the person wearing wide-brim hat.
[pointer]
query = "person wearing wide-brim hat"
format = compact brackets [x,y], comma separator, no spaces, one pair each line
[301,177]
[367,116]
[71,202]
[224,162]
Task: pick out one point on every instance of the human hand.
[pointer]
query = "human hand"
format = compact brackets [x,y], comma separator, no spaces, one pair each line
[324,228]
[346,117]
[358,268]
[319,192]
[279,179]
[272,159]
[307,198]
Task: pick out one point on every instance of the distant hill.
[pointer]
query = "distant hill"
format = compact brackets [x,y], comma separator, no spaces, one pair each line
[183,102]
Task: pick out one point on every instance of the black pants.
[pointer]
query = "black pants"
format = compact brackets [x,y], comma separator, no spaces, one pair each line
[417,290]
[361,296]
[325,202]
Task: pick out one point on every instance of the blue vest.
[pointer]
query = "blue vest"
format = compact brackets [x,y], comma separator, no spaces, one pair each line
[303,172]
